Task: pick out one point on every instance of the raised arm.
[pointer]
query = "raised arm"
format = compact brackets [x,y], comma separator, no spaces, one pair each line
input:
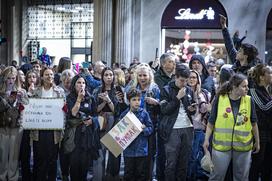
[227,38]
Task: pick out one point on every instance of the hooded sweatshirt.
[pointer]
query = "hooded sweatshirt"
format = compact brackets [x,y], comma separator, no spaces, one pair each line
[206,79]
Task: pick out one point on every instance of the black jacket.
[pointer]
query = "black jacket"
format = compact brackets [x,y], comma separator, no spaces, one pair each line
[263,104]
[170,106]
[232,52]
[161,79]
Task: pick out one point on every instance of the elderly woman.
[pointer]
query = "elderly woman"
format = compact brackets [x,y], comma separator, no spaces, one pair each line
[46,142]
[66,78]
[11,98]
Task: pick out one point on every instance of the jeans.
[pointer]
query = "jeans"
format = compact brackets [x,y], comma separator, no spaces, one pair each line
[194,168]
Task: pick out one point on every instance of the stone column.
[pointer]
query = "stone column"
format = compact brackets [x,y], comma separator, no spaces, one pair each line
[102,46]
[123,32]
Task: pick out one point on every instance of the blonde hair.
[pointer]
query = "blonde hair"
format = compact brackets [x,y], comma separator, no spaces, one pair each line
[144,67]
[120,77]
[10,70]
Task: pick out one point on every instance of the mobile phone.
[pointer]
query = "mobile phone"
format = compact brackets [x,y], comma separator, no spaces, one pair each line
[13,94]
[119,89]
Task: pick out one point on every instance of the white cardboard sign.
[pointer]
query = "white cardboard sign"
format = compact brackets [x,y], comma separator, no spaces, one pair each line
[43,114]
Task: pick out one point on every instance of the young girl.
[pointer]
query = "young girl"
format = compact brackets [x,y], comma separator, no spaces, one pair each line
[11,97]
[233,122]
[32,81]
[202,104]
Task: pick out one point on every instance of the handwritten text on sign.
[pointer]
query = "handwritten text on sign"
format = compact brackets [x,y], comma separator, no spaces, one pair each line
[44,114]
[126,130]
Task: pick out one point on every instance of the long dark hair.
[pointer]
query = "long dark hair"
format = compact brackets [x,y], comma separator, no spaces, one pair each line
[64,63]
[37,78]
[73,83]
[102,78]
[258,71]
[234,81]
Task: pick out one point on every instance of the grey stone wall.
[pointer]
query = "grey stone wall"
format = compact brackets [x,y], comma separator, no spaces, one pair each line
[243,15]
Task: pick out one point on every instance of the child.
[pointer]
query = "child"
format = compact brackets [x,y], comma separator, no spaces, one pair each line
[135,155]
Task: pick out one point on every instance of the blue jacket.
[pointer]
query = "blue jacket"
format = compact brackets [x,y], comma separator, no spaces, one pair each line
[92,83]
[139,147]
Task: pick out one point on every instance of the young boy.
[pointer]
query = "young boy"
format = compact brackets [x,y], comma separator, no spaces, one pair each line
[135,155]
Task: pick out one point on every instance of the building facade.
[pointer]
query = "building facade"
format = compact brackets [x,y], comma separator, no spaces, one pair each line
[124,29]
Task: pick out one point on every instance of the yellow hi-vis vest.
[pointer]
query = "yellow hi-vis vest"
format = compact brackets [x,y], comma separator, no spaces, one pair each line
[229,134]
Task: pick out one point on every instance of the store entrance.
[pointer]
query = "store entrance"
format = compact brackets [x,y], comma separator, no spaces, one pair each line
[193,27]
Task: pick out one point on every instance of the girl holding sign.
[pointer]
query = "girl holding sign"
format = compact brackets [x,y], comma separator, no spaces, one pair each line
[12,96]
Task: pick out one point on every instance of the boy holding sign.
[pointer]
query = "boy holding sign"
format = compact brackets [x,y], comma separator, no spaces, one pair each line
[135,155]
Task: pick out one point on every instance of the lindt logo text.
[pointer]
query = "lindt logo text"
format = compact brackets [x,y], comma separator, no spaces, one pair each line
[185,14]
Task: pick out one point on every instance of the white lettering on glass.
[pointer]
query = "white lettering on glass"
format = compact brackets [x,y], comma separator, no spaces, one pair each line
[185,14]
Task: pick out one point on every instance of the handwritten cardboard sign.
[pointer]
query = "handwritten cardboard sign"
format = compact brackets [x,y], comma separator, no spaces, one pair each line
[43,114]
[122,134]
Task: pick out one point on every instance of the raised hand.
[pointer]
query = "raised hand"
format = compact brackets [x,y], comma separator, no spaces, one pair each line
[223,21]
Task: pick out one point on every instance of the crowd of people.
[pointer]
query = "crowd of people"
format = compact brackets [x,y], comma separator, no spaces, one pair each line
[187,111]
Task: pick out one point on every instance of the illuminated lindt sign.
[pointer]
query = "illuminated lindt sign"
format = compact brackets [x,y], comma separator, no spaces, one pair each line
[185,14]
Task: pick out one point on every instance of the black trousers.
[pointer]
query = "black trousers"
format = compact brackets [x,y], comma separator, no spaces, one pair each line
[79,164]
[25,153]
[178,150]
[45,157]
[136,169]
[261,163]
[64,162]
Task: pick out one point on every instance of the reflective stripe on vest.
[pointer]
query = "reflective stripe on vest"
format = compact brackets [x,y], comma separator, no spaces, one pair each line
[228,135]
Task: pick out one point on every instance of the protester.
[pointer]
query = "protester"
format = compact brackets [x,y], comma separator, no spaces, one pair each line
[202,104]
[46,142]
[32,82]
[242,59]
[81,106]
[12,98]
[261,162]
[197,63]
[45,58]
[150,96]
[233,123]
[175,125]
[136,154]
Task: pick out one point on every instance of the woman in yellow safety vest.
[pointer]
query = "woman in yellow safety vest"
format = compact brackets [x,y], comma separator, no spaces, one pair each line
[233,122]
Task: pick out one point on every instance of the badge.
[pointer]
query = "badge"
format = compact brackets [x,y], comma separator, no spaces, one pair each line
[86,105]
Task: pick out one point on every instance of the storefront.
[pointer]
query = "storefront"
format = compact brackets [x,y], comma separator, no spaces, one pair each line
[193,26]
